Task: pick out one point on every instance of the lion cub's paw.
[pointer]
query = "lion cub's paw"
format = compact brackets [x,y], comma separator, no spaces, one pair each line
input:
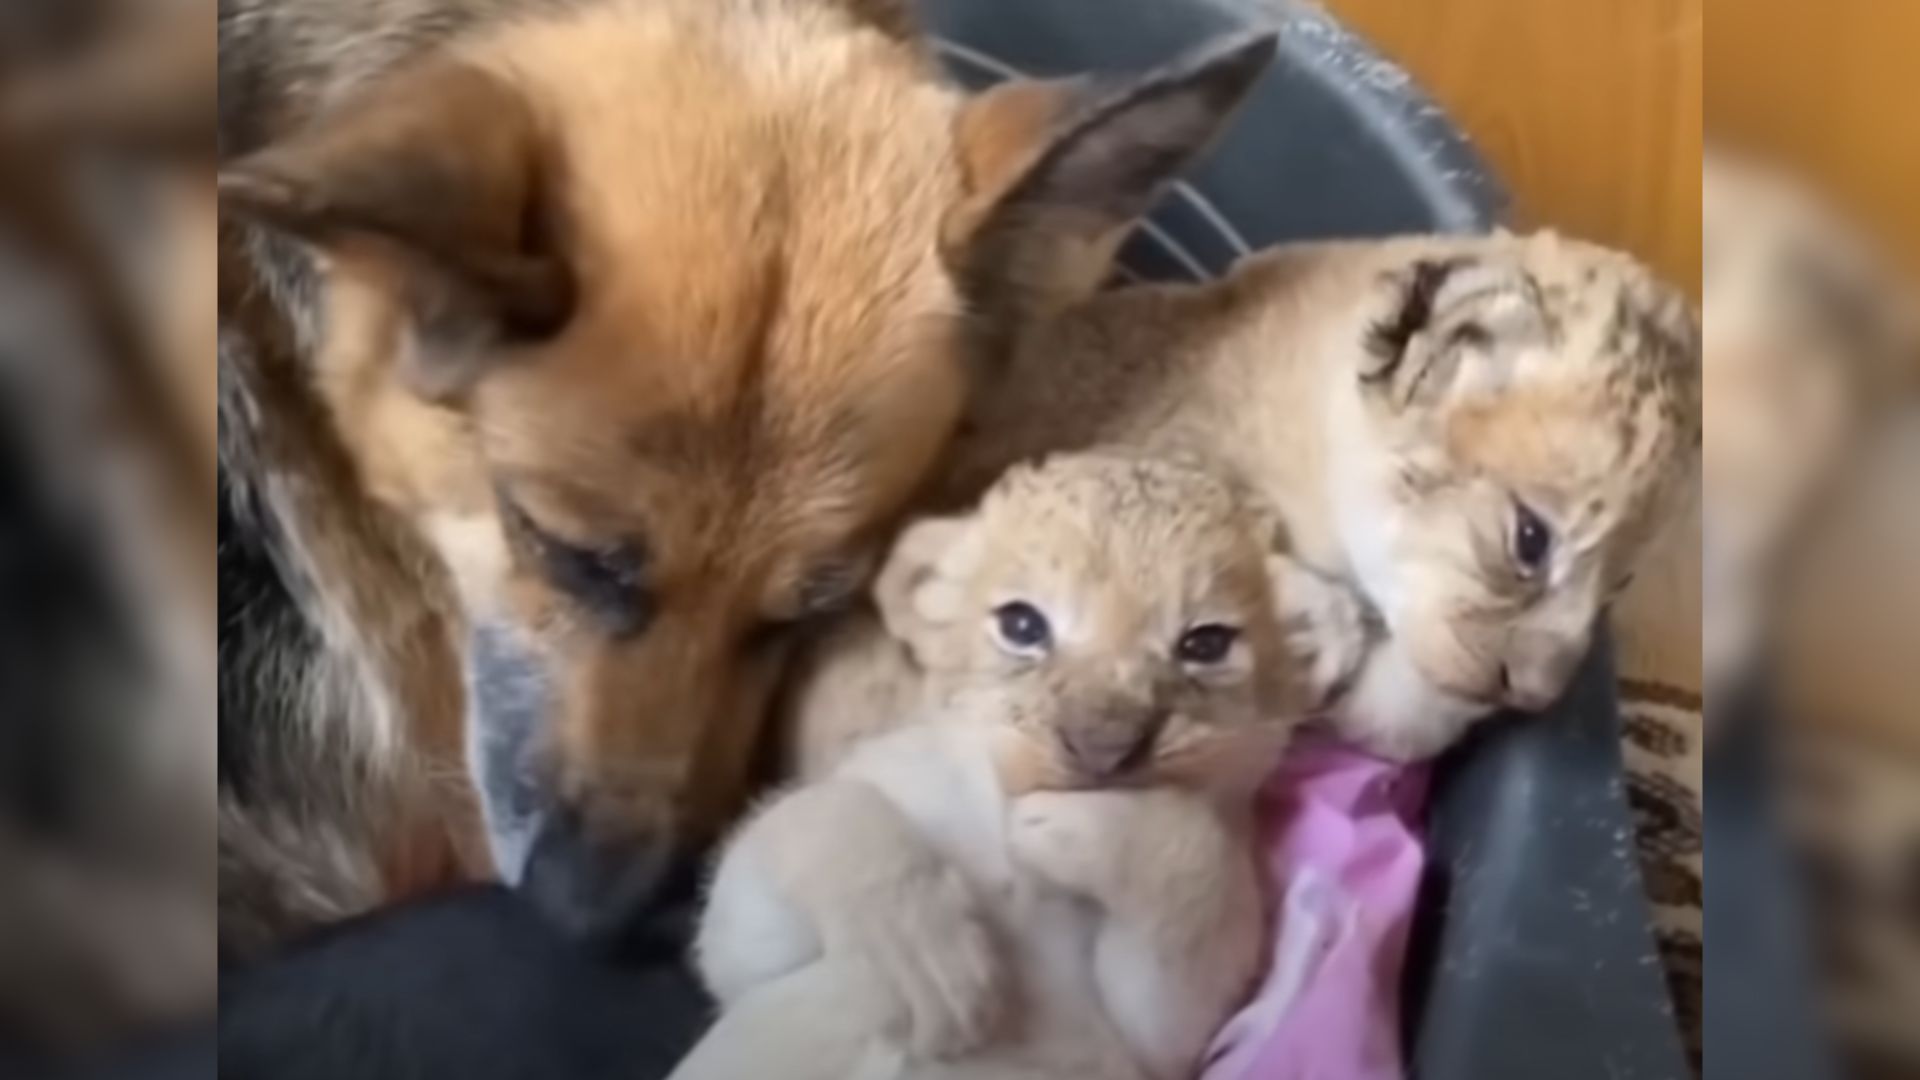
[1326,625]
[937,962]
[1073,839]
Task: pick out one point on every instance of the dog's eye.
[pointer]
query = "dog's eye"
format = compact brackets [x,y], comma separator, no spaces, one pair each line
[1022,628]
[1207,644]
[610,580]
[1532,540]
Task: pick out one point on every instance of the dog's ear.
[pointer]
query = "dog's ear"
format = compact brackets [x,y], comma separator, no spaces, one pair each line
[918,591]
[1058,171]
[434,184]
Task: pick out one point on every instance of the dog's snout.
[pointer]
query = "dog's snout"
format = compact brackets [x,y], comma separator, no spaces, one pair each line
[615,891]
[1105,746]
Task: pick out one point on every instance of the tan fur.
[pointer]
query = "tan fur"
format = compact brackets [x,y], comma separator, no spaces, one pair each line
[1037,537]
[740,218]
[879,919]
[647,319]
[1548,371]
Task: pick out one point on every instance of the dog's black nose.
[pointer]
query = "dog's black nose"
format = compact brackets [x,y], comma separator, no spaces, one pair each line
[626,895]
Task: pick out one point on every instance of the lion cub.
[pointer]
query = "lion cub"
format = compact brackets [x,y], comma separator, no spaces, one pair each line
[1043,868]
[1477,435]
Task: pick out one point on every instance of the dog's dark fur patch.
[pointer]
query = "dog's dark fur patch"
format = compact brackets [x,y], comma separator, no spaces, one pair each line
[751,379]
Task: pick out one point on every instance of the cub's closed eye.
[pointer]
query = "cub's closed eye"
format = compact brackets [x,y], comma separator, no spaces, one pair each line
[1021,628]
[1209,644]
[608,580]
[1532,540]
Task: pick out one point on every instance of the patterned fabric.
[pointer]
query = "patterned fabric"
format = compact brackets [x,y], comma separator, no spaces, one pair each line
[1656,634]
[1662,739]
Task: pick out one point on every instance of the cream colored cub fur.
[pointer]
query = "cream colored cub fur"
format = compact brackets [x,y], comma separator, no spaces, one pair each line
[1478,435]
[1043,869]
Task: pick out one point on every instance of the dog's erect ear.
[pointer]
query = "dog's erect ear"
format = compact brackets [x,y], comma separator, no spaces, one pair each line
[1058,171]
[918,591]
[434,180]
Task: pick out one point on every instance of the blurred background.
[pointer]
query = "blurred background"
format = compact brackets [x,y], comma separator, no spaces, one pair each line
[107,639]
[1763,153]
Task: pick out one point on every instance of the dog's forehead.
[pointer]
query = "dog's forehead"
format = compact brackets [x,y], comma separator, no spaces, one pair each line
[694,157]
[765,351]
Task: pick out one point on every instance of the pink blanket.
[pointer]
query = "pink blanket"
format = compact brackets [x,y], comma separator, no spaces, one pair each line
[1344,859]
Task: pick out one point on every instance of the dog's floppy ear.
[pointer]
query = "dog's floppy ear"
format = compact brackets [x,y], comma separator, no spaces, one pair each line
[433,181]
[918,591]
[1057,171]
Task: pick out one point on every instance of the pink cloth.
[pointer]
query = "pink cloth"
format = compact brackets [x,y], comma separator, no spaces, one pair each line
[1344,858]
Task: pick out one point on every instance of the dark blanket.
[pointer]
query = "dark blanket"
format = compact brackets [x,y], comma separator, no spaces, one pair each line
[471,986]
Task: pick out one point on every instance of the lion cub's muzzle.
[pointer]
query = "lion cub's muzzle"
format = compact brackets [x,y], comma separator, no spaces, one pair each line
[1538,668]
[604,877]
[1105,744]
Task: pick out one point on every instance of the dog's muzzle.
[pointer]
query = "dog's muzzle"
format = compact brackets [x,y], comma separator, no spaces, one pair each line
[627,896]
[624,892]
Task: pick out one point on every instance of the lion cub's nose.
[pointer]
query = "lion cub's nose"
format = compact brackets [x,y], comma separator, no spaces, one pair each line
[1108,745]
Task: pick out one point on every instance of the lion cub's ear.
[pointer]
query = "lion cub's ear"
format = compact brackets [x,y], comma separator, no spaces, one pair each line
[430,183]
[1058,171]
[1455,327]
[921,591]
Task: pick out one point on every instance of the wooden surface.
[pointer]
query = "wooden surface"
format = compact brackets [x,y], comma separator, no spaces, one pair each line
[1833,88]
[1589,109]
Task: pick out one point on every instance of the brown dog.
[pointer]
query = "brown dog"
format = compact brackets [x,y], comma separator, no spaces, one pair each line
[629,330]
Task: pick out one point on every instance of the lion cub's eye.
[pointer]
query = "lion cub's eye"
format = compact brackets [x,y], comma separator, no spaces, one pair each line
[1022,628]
[1207,644]
[1532,540]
